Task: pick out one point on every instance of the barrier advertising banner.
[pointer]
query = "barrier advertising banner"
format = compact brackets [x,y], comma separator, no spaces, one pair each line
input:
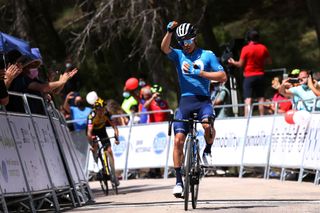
[228,143]
[287,146]
[257,141]
[29,150]
[11,173]
[119,151]
[148,146]
[75,160]
[51,151]
[65,149]
[312,151]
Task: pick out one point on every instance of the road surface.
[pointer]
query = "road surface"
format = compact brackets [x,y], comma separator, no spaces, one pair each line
[217,194]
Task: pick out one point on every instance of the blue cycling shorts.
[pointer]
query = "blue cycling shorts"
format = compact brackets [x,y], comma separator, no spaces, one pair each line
[192,104]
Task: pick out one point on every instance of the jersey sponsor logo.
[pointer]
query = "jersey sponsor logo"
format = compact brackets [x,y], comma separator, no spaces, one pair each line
[182,65]
[199,64]
[119,149]
[159,143]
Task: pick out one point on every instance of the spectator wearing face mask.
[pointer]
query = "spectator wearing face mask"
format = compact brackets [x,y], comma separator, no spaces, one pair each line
[130,94]
[79,112]
[27,82]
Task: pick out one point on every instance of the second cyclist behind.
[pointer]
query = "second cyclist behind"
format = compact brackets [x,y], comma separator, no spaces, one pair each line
[196,67]
[97,122]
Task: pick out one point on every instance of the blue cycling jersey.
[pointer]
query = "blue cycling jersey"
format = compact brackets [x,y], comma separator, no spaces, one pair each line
[193,85]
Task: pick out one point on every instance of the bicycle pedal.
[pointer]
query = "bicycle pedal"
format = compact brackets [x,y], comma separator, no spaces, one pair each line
[179,195]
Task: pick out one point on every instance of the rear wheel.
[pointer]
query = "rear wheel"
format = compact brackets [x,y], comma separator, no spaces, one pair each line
[187,166]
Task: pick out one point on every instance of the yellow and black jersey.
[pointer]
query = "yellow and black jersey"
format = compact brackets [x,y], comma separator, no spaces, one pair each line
[97,122]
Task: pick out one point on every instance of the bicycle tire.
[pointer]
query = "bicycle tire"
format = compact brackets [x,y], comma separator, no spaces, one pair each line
[187,166]
[113,177]
[104,186]
[195,187]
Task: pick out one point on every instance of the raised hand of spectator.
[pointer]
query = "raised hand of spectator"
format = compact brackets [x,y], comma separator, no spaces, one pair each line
[11,73]
[72,72]
[70,95]
[67,75]
[311,82]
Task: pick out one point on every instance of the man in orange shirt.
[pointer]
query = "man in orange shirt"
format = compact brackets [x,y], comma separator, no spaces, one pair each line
[253,58]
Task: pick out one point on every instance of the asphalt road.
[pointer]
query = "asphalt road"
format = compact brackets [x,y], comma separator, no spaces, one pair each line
[217,194]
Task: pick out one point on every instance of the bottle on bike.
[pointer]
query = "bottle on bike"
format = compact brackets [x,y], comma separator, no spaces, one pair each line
[196,67]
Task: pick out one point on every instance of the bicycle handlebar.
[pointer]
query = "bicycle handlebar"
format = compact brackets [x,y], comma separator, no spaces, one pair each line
[95,140]
[190,121]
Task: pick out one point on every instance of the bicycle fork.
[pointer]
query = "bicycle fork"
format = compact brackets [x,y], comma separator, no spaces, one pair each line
[195,169]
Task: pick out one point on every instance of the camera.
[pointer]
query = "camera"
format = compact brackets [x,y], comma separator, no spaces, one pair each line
[293,80]
[226,54]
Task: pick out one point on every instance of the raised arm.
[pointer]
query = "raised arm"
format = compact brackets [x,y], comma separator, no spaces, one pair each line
[50,86]
[11,73]
[283,89]
[311,85]
[166,41]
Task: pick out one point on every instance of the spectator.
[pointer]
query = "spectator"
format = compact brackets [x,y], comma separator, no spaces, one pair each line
[79,112]
[253,58]
[314,85]
[27,82]
[299,93]
[4,97]
[145,94]
[114,108]
[130,94]
[156,103]
[284,105]
[135,118]
[219,96]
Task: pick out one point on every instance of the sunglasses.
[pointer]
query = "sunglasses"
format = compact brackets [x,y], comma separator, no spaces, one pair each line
[186,42]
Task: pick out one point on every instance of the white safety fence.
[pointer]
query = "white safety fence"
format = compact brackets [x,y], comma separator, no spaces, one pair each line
[38,161]
[263,141]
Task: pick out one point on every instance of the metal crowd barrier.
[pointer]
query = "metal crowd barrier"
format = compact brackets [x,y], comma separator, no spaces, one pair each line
[38,160]
[244,142]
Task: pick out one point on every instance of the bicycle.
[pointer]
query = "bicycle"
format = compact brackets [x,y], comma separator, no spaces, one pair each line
[191,168]
[108,172]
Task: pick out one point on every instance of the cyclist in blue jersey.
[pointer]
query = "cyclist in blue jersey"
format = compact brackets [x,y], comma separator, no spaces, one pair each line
[196,67]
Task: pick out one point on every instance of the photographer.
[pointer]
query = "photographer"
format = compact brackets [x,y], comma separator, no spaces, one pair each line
[303,92]
[156,103]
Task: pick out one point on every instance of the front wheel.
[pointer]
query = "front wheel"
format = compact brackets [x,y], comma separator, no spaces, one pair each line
[187,166]
[196,179]
[113,178]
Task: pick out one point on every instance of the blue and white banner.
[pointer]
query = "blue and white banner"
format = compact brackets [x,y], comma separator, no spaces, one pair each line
[228,143]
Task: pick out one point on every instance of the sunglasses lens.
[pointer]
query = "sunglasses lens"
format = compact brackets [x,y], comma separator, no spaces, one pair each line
[186,42]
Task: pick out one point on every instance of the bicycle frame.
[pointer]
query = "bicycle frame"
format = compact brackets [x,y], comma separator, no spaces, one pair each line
[191,168]
[108,170]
